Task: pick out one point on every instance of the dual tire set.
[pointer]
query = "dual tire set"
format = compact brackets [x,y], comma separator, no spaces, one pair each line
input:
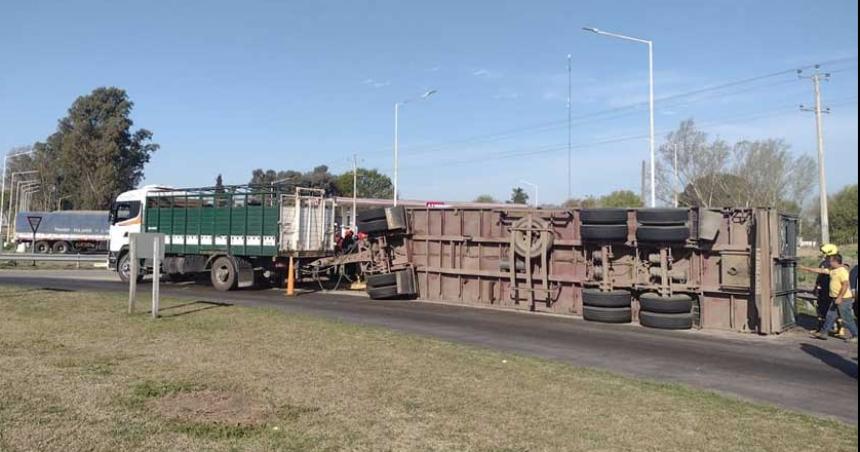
[398,284]
[655,311]
[654,225]
[380,220]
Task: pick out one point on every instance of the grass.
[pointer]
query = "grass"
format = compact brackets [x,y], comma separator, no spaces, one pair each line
[80,374]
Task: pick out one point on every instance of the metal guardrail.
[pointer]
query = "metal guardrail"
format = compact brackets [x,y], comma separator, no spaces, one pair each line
[79,258]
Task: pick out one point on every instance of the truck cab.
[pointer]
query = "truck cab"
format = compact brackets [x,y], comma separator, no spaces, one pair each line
[126,216]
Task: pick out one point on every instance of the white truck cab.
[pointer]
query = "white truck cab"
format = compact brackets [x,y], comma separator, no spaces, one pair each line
[126,216]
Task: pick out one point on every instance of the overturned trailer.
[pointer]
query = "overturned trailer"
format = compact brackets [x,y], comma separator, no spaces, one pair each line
[720,269]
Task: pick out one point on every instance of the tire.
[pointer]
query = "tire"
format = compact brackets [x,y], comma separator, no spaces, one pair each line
[666,321]
[61,247]
[42,247]
[663,234]
[388,279]
[603,216]
[224,275]
[370,215]
[371,227]
[613,299]
[664,216]
[604,232]
[676,304]
[607,315]
[123,269]
[382,293]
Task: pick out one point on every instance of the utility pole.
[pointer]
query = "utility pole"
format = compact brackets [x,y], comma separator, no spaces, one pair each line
[569,127]
[354,188]
[816,78]
[642,187]
[677,178]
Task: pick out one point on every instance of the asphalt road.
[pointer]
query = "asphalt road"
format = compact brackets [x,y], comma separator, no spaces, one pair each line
[790,370]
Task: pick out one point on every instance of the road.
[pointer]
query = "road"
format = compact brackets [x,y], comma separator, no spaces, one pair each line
[790,370]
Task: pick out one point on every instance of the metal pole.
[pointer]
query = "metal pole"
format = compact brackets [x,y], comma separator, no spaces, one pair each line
[354,188]
[3,195]
[651,120]
[822,183]
[396,146]
[12,197]
[677,178]
[569,127]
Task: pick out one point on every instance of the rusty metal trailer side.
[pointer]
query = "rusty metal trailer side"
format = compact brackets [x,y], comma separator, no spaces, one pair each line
[736,264]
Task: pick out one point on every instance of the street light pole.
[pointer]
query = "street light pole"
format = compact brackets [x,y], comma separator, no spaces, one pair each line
[397,136]
[650,45]
[9,210]
[3,183]
[535,186]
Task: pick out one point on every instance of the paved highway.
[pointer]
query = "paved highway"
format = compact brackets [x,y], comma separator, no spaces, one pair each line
[790,370]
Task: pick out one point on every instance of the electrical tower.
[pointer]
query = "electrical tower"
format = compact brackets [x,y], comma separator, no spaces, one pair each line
[817,78]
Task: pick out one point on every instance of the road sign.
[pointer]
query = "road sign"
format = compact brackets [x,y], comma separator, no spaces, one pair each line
[34,221]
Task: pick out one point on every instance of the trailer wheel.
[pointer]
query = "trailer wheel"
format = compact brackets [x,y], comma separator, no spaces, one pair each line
[676,304]
[123,269]
[662,216]
[662,234]
[372,226]
[607,315]
[666,321]
[386,279]
[604,232]
[613,299]
[61,247]
[603,216]
[223,274]
[42,247]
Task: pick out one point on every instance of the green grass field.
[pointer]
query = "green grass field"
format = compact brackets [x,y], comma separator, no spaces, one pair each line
[78,373]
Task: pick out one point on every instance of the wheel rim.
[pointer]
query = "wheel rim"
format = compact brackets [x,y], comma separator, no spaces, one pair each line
[125,268]
[222,273]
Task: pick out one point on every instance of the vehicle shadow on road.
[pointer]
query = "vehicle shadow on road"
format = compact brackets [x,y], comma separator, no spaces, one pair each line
[178,310]
[833,360]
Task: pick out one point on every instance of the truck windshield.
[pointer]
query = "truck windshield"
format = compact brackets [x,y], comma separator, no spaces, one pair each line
[124,210]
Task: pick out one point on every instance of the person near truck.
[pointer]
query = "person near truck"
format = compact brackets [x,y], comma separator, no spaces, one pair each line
[822,284]
[842,296]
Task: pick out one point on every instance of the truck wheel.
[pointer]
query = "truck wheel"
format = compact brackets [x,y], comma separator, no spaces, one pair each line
[604,232]
[662,234]
[223,274]
[381,293]
[613,299]
[386,279]
[123,269]
[676,304]
[666,321]
[607,315]
[662,216]
[42,247]
[61,247]
[603,216]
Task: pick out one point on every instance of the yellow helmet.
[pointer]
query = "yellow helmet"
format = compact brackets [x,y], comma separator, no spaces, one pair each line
[829,249]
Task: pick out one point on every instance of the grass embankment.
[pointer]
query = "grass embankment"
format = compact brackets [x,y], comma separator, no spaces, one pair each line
[80,374]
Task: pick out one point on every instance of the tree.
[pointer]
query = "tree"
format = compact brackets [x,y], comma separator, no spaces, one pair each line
[519,196]
[371,184]
[752,173]
[486,199]
[621,198]
[288,181]
[842,209]
[581,203]
[94,155]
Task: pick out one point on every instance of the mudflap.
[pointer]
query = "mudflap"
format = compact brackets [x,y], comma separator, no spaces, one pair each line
[406,283]
[244,274]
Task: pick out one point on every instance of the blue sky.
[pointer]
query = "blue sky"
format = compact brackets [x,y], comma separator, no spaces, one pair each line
[231,86]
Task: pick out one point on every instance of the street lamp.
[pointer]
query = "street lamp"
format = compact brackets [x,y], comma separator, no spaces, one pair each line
[3,182]
[12,189]
[397,134]
[535,186]
[650,99]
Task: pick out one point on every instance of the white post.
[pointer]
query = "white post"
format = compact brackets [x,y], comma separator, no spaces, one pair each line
[132,274]
[156,277]
[569,128]
[651,114]
[3,194]
[822,183]
[396,146]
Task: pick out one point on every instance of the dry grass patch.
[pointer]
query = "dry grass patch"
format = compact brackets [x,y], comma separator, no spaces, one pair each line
[79,374]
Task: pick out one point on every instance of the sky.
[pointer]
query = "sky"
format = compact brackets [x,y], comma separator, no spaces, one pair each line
[228,87]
